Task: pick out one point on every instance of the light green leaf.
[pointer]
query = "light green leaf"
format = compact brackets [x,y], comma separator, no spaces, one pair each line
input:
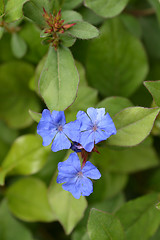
[13,10]
[139,217]
[35,116]
[28,200]
[18,45]
[104,226]
[71,16]
[106,8]
[59,79]
[154,88]
[15,94]
[82,74]
[83,30]
[10,228]
[33,10]
[128,160]
[110,61]
[26,156]
[133,125]
[68,209]
[114,105]
[1,7]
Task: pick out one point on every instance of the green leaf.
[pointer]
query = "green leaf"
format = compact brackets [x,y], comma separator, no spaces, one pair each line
[104,226]
[128,160]
[132,24]
[28,200]
[68,209]
[1,7]
[157,235]
[13,10]
[82,74]
[26,156]
[114,105]
[106,8]
[67,40]
[10,228]
[35,116]
[15,94]
[33,10]
[71,16]
[18,45]
[139,217]
[133,125]
[70,4]
[116,63]
[59,79]
[35,50]
[83,30]
[1,32]
[156,6]
[154,88]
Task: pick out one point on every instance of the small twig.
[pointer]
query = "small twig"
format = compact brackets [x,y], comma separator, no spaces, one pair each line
[141,13]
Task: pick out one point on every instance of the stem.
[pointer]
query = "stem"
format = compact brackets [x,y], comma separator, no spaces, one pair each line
[141,13]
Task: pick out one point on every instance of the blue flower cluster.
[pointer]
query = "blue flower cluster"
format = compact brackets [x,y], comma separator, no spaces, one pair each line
[79,135]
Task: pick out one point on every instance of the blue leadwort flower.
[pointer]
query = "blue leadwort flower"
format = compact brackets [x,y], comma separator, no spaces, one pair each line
[75,179]
[95,127]
[53,127]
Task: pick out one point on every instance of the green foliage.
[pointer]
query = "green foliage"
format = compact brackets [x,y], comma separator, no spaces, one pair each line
[106,8]
[139,217]
[59,76]
[129,126]
[119,71]
[116,50]
[28,200]
[103,226]
[26,156]
[16,229]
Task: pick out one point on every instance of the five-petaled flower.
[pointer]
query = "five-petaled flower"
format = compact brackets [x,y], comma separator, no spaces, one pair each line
[53,126]
[95,127]
[76,179]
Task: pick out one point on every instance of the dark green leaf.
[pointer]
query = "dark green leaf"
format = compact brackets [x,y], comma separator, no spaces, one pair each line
[59,79]
[70,4]
[13,10]
[10,228]
[71,16]
[110,63]
[15,94]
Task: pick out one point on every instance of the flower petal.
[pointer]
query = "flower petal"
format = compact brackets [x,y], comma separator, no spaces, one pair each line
[95,114]
[89,170]
[71,165]
[107,124]
[86,186]
[101,135]
[58,117]
[60,142]
[72,130]
[86,123]
[87,140]
[74,187]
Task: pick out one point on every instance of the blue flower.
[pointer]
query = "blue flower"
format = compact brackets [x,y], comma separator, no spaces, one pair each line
[76,179]
[52,126]
[95,127]
[76,147]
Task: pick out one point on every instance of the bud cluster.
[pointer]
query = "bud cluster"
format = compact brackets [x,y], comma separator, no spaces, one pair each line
[55,27]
